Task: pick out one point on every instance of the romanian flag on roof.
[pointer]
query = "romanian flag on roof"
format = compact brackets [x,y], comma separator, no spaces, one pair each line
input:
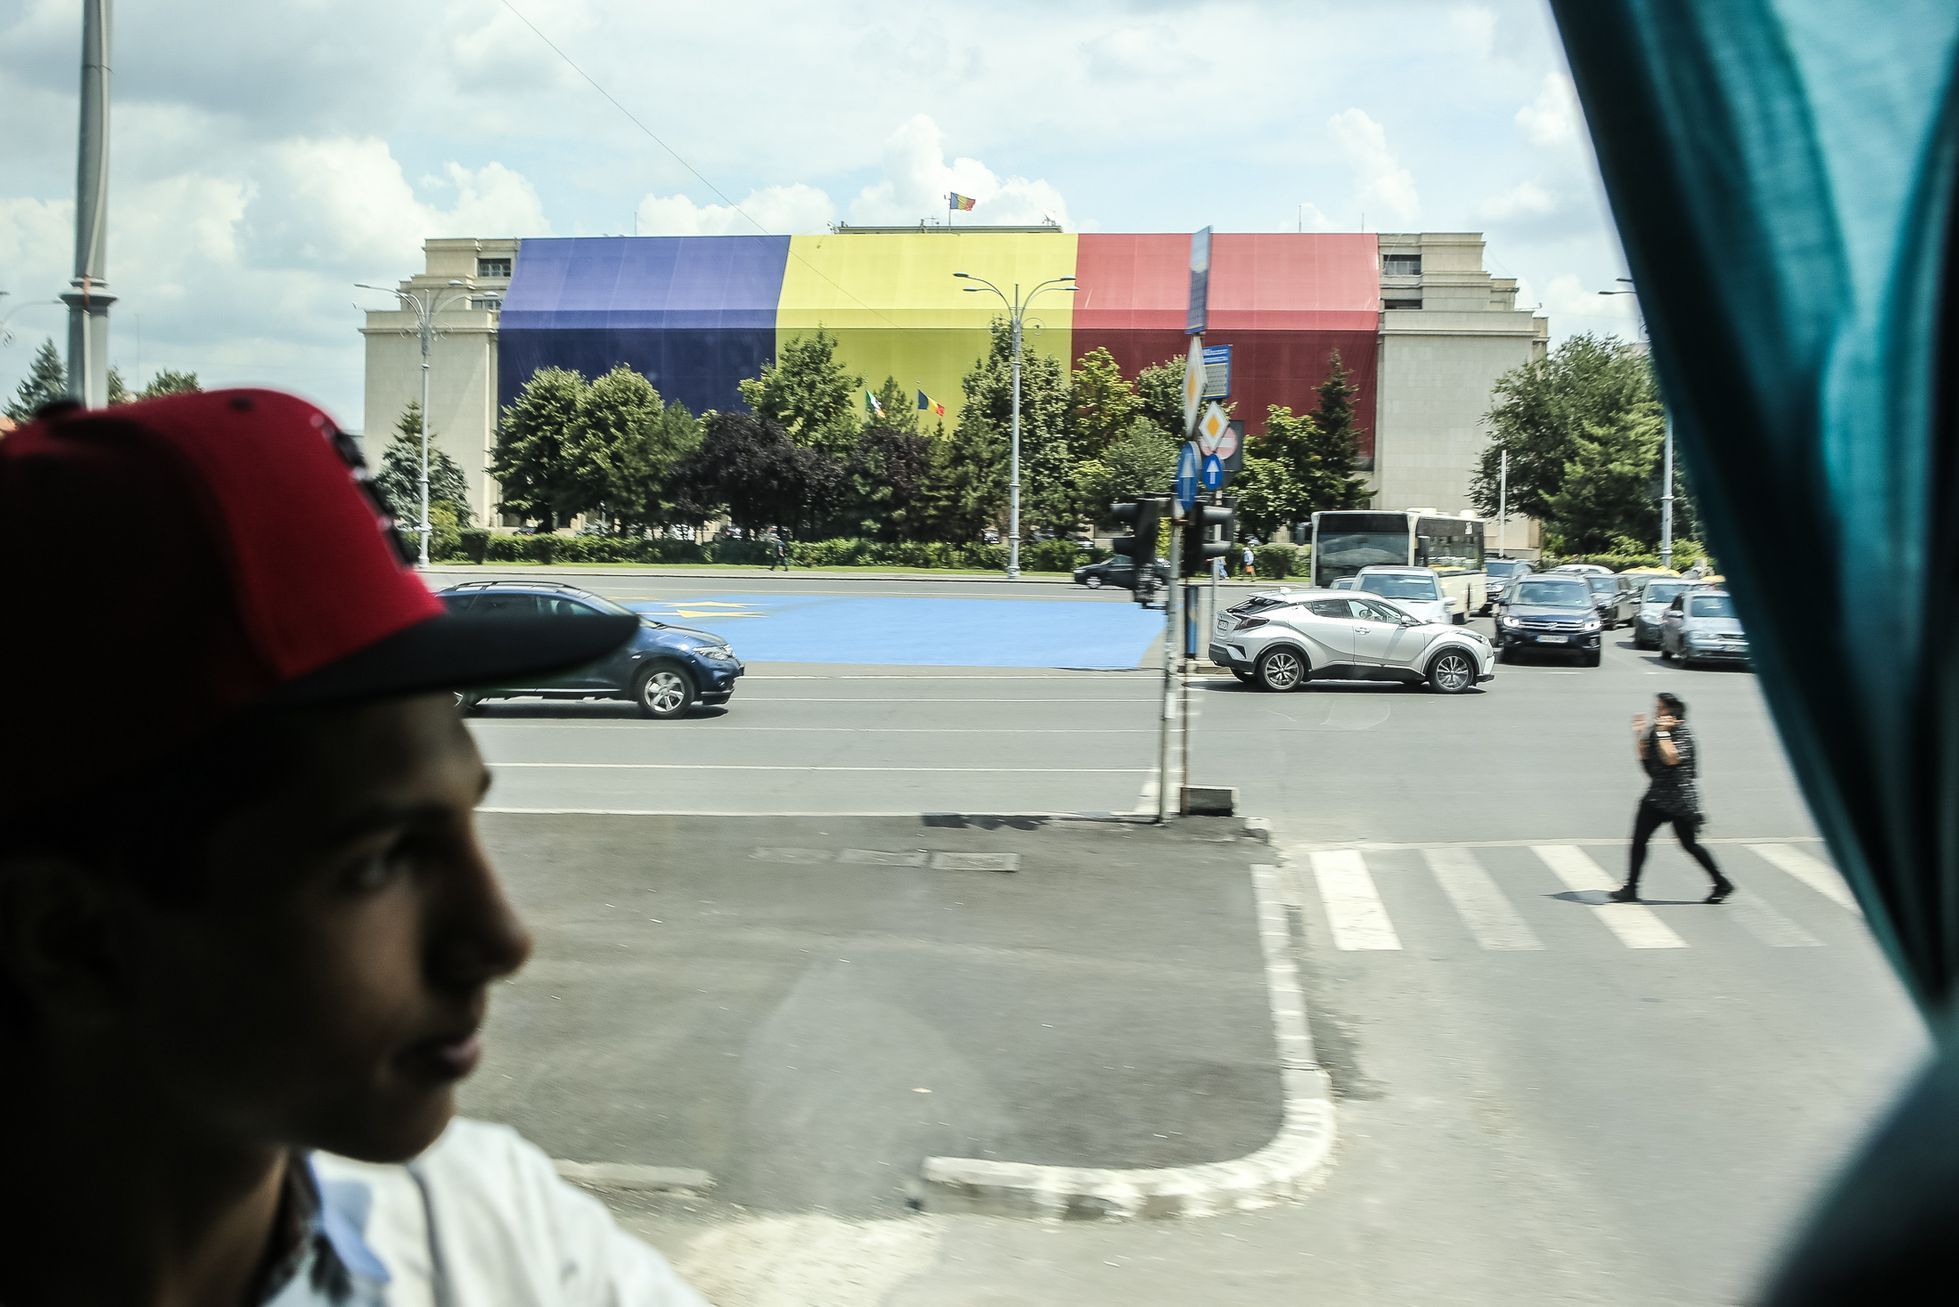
[927,405]
[963,203]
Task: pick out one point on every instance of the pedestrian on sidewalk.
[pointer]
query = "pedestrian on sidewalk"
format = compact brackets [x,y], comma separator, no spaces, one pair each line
[1249,570]
[778,551]
[248,935]
[1666,751]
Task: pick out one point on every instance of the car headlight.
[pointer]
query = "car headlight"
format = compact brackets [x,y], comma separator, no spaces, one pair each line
[718,652]
[1512,622]
[1592,625]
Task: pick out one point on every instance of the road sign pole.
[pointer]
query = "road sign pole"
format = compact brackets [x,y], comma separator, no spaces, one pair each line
[1173,615]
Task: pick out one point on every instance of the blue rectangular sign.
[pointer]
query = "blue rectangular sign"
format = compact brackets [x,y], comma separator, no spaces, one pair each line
[1217,371]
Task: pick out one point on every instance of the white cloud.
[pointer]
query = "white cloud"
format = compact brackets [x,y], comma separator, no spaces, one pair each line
[779,210]
[1552,119]
[1573,304]
[1382,185]
[917,177]
[1312,219]
[1524,200]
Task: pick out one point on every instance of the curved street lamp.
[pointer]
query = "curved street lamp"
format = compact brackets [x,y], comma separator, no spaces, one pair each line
[425,304]
[1016,311]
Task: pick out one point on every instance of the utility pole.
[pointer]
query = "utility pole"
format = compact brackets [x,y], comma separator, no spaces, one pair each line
[89,299]
[1666,499]
[1503,504]
[425,305]
[1173,647]
[1016,312]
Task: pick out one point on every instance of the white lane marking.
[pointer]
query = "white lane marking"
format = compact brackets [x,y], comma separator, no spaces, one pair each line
[1811,871]
[717,728]
[1024,699]
[813,767]
[1636,926]
[987,674]
[913,813]
[1766,924]
[1479,902]
[1353,907]
[1390,846]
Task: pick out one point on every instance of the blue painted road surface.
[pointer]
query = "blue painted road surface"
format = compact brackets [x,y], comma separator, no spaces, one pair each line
[1100,632]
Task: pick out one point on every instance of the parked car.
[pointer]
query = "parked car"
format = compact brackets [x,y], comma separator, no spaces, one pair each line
[1119,570]
[1326,635]
[666,670]
[1500,572]
[1654,598]
[1700,626]
[1614,597]
[1416,589]
[1346,583]
[1549,612]
[1584,569]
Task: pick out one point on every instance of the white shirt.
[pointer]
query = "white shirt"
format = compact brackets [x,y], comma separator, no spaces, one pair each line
[480,1219]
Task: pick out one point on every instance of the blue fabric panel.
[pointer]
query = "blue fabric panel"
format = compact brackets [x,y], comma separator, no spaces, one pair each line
[696,314]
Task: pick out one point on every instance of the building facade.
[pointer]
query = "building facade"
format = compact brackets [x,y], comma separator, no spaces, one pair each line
[1422,328]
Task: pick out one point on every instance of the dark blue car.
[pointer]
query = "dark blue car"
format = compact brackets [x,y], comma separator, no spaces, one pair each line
[666,670]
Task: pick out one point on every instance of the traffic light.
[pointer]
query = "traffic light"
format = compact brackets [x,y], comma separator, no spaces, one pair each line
[1144,518]
[1207,535]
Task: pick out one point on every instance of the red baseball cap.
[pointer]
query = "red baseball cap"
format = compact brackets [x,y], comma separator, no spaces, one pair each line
[183,560]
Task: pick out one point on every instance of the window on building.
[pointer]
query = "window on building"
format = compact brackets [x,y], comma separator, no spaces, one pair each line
[486,301]
[493,267]
[1401,304]
[1401,265]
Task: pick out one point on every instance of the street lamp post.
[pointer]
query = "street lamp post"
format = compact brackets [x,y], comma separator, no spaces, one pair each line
[1666,470]
[425,305]
[1016,309]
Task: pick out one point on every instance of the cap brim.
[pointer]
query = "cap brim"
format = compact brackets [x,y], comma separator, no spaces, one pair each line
[463,651]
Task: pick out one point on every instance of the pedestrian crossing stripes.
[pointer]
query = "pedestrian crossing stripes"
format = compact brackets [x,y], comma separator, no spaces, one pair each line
[1499,898]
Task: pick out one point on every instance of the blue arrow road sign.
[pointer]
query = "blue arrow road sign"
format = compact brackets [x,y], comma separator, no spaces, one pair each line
[1213,474]
[1187,477]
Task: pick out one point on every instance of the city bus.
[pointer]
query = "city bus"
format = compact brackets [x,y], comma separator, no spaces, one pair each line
[1343,542]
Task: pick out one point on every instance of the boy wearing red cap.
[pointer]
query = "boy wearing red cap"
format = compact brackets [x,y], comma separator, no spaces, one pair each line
[247,930]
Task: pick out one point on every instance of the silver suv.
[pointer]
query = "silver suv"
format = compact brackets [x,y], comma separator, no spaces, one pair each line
[1281,641]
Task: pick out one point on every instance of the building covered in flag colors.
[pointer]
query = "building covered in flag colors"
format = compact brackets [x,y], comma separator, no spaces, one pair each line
[1423,329]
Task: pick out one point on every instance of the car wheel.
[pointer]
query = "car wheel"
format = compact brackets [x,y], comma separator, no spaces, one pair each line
[664,692]
[1092,582]
[1244,677]
[1452,672]
[1281,669]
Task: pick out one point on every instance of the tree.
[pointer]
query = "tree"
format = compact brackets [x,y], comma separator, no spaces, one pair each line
[809,394]
[1101,404]
[1160,392]
[400,476]
[1608,485]
[613,422]
[1268,498]
[1048,498]
[897,408]
[536,461]
[45,383]
[1334,444]
[884,483]
[1543,407]
[966,485]
[169,381]
[748,467]
[119,392]
[648,463]
[1143,461]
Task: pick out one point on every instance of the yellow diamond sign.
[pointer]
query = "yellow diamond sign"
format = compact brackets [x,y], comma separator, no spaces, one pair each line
[1210,431]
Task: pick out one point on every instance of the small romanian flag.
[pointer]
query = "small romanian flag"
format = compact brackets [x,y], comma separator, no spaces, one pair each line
[963,203]
[926,405]
[870,402]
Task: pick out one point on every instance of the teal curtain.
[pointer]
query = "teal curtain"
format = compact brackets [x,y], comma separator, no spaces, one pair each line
[1782,173]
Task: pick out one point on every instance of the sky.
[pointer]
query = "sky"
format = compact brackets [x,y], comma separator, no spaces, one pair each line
[264,158]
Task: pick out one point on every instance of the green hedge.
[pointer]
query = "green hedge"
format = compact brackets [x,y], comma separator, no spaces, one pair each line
[1274,562]
[481,546]
[1682,559]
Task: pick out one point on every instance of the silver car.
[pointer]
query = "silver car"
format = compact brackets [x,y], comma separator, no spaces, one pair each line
[1312,635]
[1417,589]
[1700,626]
[1654,598]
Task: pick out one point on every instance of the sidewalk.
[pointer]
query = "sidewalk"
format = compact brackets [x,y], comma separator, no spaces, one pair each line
[866,1015]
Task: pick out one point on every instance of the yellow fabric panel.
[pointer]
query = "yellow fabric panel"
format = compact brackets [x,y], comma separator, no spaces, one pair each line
[896,310]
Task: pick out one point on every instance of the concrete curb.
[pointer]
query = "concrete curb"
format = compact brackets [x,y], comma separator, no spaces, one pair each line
[737,573]
[1284,1168]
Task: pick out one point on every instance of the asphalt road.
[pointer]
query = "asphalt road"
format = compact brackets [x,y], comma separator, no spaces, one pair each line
[1541,1100]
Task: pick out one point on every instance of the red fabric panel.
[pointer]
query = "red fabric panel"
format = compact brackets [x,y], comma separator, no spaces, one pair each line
[1283,302]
